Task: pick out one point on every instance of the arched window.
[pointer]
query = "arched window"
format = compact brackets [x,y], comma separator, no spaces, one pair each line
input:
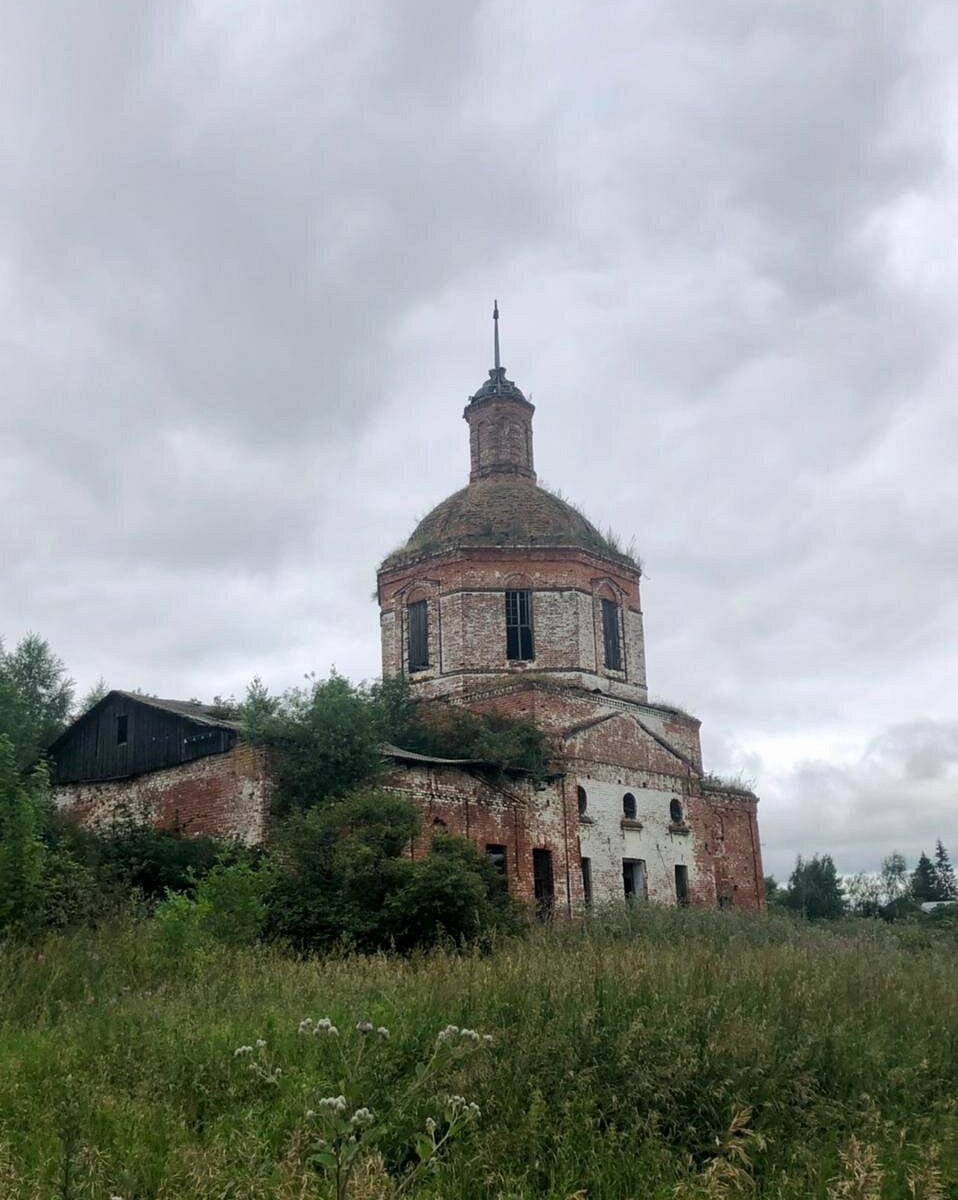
[583,800]
[628,806]
[675,810]
[438,824]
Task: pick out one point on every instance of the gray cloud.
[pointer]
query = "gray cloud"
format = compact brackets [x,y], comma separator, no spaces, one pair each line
[246,261]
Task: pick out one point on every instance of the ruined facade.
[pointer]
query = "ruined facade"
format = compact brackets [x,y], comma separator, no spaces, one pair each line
[504,598]
[174,764]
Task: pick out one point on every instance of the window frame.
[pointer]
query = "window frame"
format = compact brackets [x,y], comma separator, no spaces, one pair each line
[611,634]
[520,633]
[417,636]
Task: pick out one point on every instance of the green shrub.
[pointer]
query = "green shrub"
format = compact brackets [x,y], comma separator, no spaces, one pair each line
[345,877]
[179,926]
[453,892]
[22,852]
[326,737]
[232,899]
[151,862]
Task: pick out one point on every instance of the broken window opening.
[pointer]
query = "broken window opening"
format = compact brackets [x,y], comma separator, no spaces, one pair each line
[675,810]
[542,883]
[122,730]
[611,635]
[634,880]
[438,824]
[582,800]
[628,806]
[418,636]
[497,856]
[587,881]
[520,645]
[681,885]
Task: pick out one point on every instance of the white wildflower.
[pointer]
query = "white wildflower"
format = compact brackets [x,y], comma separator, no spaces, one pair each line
[364,1026]
[487,1038]
[474,1111]
[469,1035]
[241,1050]
[310,1113]
[306,1025]
[450,1031]
[383,1031]
[430,1126]
[361,1118]
[260,1043]
[334,1103]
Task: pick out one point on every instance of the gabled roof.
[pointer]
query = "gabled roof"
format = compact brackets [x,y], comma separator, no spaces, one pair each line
[200,714]
[203,714]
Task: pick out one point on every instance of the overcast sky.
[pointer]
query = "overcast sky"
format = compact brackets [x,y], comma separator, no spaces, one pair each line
[247,260]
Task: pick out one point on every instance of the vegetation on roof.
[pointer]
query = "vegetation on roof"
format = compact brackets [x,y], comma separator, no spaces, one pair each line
[729,783]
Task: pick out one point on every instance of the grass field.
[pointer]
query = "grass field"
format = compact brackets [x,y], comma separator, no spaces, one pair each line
[651,1054]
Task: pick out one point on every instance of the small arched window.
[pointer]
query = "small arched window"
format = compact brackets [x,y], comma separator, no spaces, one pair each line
[583,800]
[675,810]
[438,824]
[628,806]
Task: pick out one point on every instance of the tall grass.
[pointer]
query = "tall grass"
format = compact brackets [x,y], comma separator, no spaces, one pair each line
[646,1054]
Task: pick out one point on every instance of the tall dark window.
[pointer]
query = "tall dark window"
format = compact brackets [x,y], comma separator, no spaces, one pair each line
[497,856]
[610,635]
[418,636]
[587,880]
[122,730]
[542,882]
[682,885]
[634,879]
[519,643]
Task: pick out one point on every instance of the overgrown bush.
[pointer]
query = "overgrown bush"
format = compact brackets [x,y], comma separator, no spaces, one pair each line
[348,880]
[23,802]
[232,897]
[491,738]
[149,862]
[326,738]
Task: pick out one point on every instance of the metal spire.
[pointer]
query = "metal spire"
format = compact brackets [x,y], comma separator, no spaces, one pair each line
[495,322]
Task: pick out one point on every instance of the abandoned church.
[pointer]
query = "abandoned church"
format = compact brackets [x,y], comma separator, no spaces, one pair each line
[504,598]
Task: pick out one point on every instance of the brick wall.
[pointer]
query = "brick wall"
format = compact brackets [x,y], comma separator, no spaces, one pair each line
[465,594]
[503,812]
[222,795]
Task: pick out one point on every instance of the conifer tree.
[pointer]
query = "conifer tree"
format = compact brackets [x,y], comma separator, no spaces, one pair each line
[945,873]
[924,880]
[814,888]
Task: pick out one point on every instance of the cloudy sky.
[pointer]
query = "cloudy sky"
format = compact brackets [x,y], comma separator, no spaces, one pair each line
[247,259]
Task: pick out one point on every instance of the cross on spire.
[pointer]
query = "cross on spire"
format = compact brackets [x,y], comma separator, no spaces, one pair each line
[495,324]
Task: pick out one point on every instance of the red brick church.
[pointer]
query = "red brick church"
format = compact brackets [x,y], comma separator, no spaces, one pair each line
[504,598]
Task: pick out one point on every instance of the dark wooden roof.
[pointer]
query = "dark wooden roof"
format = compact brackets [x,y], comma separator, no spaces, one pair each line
[128,734]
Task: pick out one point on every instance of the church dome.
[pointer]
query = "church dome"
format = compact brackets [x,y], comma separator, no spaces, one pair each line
[501,510]
[502,506]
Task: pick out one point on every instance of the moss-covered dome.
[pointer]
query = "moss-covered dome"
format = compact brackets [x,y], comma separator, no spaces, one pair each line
[502,510]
